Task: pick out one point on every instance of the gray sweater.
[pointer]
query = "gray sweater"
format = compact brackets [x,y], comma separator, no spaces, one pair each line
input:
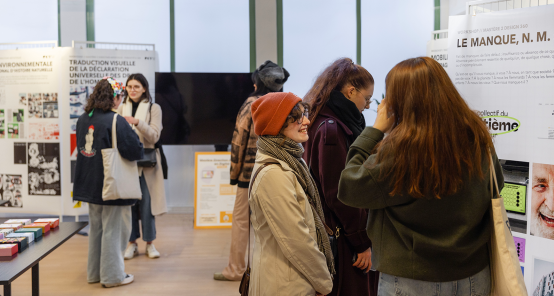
[423,239]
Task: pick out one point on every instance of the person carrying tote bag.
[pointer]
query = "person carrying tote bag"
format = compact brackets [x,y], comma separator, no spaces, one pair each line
[100,130]
[145,118]
[426,185]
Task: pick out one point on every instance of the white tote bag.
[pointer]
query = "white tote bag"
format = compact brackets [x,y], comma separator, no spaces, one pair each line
[506,276]
[121,178]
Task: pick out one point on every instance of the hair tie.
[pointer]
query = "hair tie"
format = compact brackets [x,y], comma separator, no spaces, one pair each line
[117,87]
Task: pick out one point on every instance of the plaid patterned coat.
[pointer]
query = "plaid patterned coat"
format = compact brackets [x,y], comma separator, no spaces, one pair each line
[243,146]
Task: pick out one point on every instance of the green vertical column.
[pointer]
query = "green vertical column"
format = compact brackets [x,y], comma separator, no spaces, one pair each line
[90,20]
[59,26]
[252,13]
[279,32]
[437,15]
[172,34]
[359,32]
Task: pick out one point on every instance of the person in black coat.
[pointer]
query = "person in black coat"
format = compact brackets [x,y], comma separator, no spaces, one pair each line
[110,221]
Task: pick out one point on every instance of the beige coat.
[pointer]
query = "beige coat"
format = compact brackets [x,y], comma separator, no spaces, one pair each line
[153,176]
[286,258]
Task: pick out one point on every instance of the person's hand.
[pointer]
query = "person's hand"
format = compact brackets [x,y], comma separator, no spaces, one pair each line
[364,260]
[131,120]
[383,122]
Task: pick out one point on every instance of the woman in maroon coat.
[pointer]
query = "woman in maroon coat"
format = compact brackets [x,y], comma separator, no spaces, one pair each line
[337,99]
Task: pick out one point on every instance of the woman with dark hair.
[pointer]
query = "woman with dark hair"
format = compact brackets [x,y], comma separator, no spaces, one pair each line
[338,97]
[269,77]
[145,117]
[292,254]
[110,221]
[426,185]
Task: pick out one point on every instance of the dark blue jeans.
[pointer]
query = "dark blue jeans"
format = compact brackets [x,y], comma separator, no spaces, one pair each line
[476,285]
[142,211]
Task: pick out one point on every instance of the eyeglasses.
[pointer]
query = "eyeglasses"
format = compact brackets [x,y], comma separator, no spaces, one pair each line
[135,87]
[367,99]
[305,114]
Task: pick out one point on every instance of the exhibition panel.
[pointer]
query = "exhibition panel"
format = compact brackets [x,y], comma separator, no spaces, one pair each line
[502,63]
[42,93]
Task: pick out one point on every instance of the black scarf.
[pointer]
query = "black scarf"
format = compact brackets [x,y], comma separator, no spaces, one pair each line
[347,112]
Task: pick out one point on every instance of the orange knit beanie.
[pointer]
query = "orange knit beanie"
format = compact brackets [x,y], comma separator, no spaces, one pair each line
[270,112]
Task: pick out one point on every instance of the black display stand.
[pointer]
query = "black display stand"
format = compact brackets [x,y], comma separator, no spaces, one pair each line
[12,267]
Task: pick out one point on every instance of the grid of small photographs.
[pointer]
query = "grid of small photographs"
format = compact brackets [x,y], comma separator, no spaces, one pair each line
[42,105]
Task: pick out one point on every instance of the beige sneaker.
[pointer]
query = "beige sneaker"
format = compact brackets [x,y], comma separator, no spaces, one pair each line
[151,251]
[131,251]
[218,276]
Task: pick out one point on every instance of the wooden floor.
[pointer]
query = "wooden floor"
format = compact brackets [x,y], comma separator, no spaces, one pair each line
[188,260]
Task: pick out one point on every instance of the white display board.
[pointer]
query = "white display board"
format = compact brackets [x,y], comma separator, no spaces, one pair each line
[30,172]
[503,65]
[214,197]
[42,93]
[83,68]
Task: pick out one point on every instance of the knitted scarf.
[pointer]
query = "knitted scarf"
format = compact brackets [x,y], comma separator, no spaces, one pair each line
[291,153]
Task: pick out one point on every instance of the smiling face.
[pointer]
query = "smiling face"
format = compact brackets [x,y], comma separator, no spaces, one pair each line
[542,201]
[135,90]
[298,132]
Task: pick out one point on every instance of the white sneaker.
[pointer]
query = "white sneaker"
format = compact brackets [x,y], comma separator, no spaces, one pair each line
[129,278]
[151,251]
[131,251]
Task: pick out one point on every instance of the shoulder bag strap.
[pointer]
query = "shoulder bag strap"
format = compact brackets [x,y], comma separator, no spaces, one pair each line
[114,132]
[494,182]
[249,193]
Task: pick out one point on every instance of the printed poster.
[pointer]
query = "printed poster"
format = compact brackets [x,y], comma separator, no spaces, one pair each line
[214,197]
[11,189]
[44,169]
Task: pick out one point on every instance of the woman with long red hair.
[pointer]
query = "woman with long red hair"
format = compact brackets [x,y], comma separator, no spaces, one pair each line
[426,185]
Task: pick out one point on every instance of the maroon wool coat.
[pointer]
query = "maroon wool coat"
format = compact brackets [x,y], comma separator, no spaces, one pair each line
[325,153]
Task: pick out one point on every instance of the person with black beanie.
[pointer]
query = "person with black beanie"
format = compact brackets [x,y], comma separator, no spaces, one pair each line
[269,77]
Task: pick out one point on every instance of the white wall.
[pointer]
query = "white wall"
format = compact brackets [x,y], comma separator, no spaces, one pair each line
[212,36]
[392,33]
[315,34]
[28,20]
[73,21]
[135,21]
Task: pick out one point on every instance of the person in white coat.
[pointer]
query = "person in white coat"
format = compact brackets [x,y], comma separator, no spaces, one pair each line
[145,117]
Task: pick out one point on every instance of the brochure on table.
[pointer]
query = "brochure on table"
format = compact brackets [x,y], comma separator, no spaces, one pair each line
[214,197]
[502,63]
[43,91]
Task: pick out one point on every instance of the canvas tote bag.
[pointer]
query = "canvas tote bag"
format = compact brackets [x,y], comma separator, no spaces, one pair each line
[121,179]
[506,276]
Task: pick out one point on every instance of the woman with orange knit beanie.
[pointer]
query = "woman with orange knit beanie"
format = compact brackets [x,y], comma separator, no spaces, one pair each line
[292,254]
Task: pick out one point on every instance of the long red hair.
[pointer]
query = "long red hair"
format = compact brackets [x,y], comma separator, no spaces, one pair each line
[437,140]
[335,77]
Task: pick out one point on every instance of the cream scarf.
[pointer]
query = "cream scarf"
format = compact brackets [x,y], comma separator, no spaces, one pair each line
[142,112]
